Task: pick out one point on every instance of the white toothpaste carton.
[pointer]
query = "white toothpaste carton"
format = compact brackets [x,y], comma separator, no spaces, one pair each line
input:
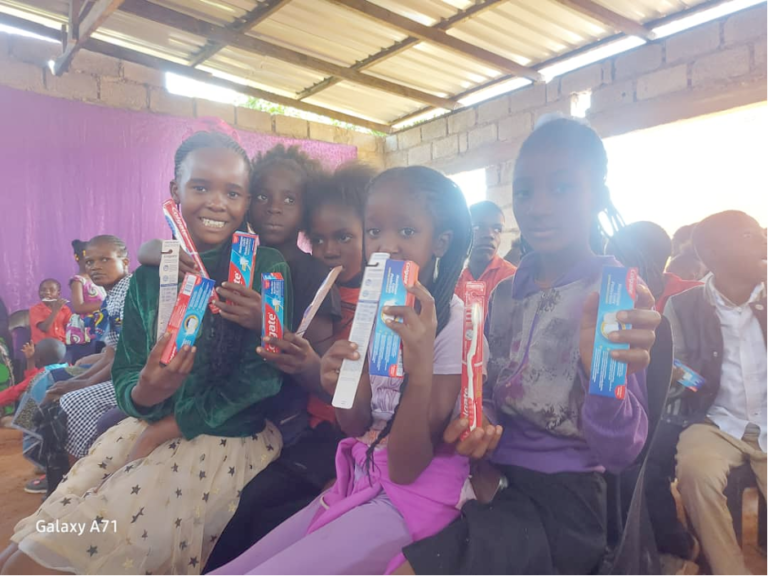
[169,283]
[360,334]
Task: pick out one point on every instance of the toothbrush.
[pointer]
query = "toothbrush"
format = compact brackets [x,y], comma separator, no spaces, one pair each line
[476,320]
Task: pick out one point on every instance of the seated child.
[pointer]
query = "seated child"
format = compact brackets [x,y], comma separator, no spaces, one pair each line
[396,481]
[86,303]
[719,332]
[484,264]
[164,482]
[334,223]
[549,515]
[49,317]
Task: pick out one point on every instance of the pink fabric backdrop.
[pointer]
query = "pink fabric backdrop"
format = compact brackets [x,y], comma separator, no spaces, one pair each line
[72,170]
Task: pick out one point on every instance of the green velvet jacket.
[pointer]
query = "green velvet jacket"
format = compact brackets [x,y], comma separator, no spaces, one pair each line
[231,407]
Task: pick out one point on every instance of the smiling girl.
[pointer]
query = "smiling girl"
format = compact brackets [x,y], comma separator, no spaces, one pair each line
[163,483]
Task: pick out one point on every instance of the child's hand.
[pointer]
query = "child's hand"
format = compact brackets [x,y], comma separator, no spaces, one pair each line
[330,364]
[29,350]
[60,388]
[417,330]
[153,436]
[245,308]
[186,264]
[644,320]
[481,442]
[297,355]
[58,305]
[158,382]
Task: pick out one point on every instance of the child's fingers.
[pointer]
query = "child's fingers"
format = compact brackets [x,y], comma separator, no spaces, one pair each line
[188,362]
[454,430]
[645,300]
[174,366]
[233,296]
[634,337]
[640,318]
[342,350]
[406,313]
[635,358]
[296,340]
[187,260]
[495,438]
[470,444]
[283,345]
[425,299]
[157,350]
[267,355]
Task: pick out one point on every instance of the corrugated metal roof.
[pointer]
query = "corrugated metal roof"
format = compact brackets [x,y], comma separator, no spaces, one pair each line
[527,32]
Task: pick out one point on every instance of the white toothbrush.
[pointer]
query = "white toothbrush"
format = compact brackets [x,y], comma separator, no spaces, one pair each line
[476,320]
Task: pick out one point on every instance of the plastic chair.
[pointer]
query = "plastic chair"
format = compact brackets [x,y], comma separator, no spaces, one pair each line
[631,543]
[739,480]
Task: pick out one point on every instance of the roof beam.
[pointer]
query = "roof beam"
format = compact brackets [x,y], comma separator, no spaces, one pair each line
[403,45]
[243,24]
[136,57]
[80,30]
[192,25]
[436,36]
[607,16]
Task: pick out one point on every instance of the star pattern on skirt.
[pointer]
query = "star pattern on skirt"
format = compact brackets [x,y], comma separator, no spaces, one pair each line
[213,538]
[255,437]
[183,545]
[92,550]
[172,445]
[135,489]
[231,471]
[205,496]
[178,492]
[239,493]
[145,535]
[99,519]
[128,564]
[202,458]
[178,522]
[105,476]
[65,501]
[103,465]
[129,468]
[270,448]
[136,517]
[175,467]
[202,474]
[193,562]
[223,442]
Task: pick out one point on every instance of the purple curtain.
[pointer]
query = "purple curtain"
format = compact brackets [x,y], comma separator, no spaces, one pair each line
[72,170]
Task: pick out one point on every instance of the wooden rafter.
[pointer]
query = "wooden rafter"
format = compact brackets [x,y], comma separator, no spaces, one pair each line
[607,16]
[192,25]
[81,29]
[136,57]
[402,45]
[437,36]
[244,24]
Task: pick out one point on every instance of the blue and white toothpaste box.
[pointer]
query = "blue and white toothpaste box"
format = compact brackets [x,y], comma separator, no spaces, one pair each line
[690,379]
[618,291]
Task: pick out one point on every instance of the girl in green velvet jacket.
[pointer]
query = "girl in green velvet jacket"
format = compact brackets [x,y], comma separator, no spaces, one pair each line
[157,489]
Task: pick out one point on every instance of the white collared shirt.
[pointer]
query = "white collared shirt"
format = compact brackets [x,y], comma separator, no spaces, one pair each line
[741,399]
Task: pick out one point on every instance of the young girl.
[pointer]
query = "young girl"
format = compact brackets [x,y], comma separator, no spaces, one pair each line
[557,439]
[334,222]
[396,482]
[163,483]
[86,302]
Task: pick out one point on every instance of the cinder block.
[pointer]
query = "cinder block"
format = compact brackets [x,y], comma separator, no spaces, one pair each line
[409,138]
[691,43]
[255,120]
[482,135]
[289,126]
[421,154]
[434,129]
[72,85]
[721,66]
[445,147]
[162,102]
[745,25]
[662,82]
[493,110]
[462,121]
[143,75]
[638,61]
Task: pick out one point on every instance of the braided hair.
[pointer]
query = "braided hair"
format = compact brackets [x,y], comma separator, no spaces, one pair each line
[78,249]
[114,241]
[578,136]
[226,337]
[448,208]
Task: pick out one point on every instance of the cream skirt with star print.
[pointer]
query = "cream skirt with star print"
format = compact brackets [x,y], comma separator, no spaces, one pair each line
[159,515]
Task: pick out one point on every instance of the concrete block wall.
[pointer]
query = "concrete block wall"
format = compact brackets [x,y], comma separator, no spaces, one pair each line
[106,81]
[710,68]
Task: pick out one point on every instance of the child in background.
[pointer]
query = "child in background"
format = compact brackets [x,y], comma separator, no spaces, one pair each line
[557,439]
[687,267]
[396,482]
[86,302]
[7,379]
[485,265]
[169,476]
[334,223]
[646,246]
[719,330]
[49,317]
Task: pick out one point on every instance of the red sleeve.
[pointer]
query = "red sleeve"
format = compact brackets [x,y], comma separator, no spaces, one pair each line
[65,314]
[37,314]
[12,394]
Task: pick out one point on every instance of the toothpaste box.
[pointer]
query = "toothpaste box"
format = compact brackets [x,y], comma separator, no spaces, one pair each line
[242,259]
[472,355]
[618,291]
[272,308]
[386,352]
[360,333]
[169,284]
[690,379]
[314,306]
[187,314]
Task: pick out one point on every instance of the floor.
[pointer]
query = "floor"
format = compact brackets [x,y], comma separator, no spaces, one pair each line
[16,504]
